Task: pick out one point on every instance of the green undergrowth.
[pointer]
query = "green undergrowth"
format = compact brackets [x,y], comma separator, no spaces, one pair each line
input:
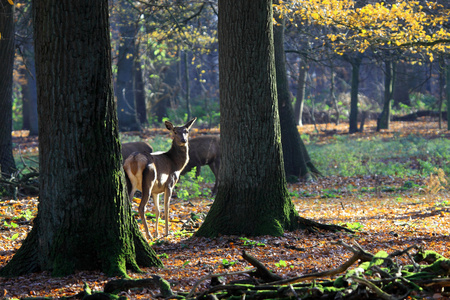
[400,156]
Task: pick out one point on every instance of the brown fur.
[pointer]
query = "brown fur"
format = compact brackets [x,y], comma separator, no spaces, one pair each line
[204,150]
[158,173]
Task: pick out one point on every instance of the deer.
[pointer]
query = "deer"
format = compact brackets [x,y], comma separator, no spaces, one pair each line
[158,172]
[128,148]
[204,150]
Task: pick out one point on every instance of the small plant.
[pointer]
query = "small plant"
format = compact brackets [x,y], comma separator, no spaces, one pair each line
[189,187]
[14,237]
[251,243]
[227,264]
[355,226]
[27,215]
[163,255]
[436,181]
[185,264]
[281,264]
[10,225]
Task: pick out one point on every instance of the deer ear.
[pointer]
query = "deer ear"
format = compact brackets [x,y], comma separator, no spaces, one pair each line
[169,125]
[189,124]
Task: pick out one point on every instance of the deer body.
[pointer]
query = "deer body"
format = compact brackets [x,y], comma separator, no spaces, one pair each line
[204,150]
[157,173]
[128,148]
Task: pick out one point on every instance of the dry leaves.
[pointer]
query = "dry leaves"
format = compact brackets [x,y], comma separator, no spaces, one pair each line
[389,220]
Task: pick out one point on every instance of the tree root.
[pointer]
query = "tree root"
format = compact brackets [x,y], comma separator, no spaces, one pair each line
[314,227]
[376,276]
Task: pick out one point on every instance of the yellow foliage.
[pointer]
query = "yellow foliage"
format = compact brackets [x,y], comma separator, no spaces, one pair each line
[404,23]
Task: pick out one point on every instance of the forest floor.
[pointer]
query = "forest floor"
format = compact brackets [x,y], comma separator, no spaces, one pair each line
[383,215]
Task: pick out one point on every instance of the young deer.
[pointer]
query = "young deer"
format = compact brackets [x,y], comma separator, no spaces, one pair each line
[204,150]
[156,173]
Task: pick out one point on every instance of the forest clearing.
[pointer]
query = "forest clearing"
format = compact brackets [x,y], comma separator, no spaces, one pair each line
[386,213]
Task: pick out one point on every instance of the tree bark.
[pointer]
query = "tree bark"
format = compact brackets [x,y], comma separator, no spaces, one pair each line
[295,155]
[7,164]
[84,218]
[126,101]
[29,92]
[385,116]
[447,66]
[252,198]
[139,88]
[402,85]
[356,63]
[301,88]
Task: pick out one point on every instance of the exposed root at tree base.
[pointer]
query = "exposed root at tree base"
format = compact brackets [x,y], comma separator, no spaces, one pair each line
[314,227]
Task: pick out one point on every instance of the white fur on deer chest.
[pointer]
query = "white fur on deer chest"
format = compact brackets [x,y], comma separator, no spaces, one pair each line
[165,180]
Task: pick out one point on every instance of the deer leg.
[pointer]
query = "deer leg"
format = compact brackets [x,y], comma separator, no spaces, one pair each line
[215,169]
[144,201]
[167,195]
[157,212]
[131,190]
[197,171]
[148,180]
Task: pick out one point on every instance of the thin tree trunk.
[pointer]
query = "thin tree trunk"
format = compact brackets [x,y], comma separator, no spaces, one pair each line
[187,85]
[295,155]
[7,164]
[139,90]
[29,92]
[301,89]
[448,94]
[384,119]
[356,63]
[333,94]
[441,87]
[125,92]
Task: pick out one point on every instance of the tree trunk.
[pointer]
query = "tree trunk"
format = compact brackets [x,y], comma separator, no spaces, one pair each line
[356,63]
[333,94]
[139,88]
[385,116]
[301,88]
[402,85]
[447,66]
[252,198]
[7,164]
[29,92]
[126,101]
[295,155]
[84,217]
[187,85]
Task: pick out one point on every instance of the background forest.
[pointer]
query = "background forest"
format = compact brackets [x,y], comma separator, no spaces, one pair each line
[165,61]
[365,84]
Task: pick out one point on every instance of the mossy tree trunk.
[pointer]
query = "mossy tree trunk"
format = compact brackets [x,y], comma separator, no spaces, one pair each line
[297,163]
[252,198]
[7,164]
[84,218]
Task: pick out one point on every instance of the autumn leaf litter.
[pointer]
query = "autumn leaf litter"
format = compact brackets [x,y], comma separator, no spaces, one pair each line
[382,221]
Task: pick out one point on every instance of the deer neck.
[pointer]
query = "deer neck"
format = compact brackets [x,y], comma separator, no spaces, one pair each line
[179,155]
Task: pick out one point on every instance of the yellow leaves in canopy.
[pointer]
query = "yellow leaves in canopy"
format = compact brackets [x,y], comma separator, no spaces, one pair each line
[404,23]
